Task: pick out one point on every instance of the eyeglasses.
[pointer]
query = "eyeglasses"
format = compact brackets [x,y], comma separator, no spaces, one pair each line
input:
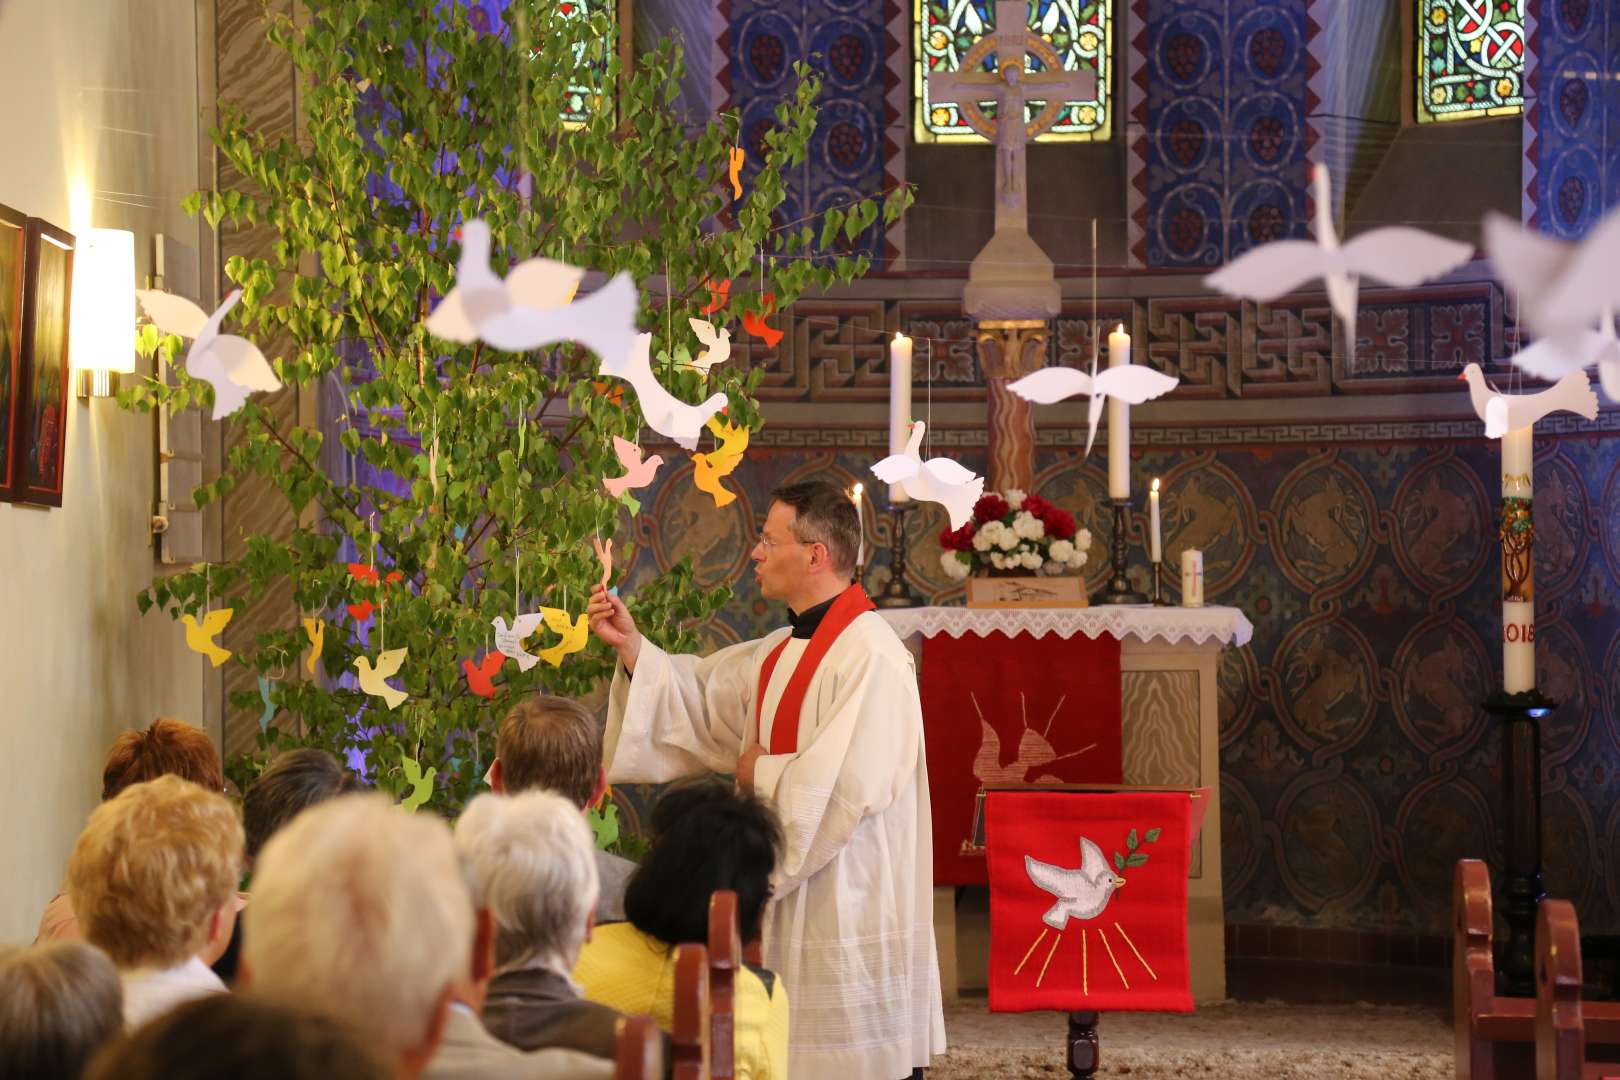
[768,544]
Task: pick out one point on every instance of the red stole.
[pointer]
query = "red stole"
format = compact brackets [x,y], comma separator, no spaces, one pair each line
[851,603]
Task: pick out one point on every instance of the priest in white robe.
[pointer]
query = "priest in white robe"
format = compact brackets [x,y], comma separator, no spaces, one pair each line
[822,720]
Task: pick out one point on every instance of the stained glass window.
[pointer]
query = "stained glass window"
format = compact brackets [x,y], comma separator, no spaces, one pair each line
[1470,59]
[1080,31]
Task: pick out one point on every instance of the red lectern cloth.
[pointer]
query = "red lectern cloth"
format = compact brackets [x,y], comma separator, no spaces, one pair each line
[1064,934]
[1001,710]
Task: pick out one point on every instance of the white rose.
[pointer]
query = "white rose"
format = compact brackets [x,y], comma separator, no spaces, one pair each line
[954,567]
[981,539]
[1061,551]
[1006,539]
[1053,568]
[996,560]
[1032,561]
[1029,526]
[1082,540]
[1015,498]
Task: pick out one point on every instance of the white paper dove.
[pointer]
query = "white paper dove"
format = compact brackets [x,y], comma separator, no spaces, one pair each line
[1563,288]
[532,307]
[1503,413]
[666,414]
[509,640]
[1134,383]
[1081,894]
[233,365]
[938,479]
[1396,255]
[1552,358]
[717,344]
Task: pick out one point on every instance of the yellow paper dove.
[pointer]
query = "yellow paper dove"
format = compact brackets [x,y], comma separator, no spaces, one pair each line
[732,440]
[201,638]
[315,628]
[575,634]
[371,678]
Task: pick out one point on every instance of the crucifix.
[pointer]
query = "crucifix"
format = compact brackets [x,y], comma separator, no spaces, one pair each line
[1011,86]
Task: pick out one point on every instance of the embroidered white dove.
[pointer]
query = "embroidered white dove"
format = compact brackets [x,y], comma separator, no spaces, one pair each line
[938,479]
[1134,383]
[509,641]
[1562,287]
[1553,358]
[1395,255]
[717,344]
[1503,413]
[1081,894]
[532,307]
[666,414]
[233,365]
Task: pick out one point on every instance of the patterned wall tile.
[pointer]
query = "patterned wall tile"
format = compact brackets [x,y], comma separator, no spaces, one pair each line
[1572,163]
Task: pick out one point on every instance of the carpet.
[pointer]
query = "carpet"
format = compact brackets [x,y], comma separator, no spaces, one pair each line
[1256,1040]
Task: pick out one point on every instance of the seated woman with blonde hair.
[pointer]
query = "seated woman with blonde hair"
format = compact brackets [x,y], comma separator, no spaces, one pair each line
[706,836]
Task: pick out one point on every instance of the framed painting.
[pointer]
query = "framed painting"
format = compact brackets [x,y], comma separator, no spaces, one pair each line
[40,429]
[13,244]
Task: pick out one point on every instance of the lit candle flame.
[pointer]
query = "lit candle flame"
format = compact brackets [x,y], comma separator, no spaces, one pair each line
[1155,483]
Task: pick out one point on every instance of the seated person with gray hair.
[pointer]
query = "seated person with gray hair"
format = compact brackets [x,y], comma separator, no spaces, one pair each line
[549,743]
[59,1004]
[153,879]
[360,912]
[529,861]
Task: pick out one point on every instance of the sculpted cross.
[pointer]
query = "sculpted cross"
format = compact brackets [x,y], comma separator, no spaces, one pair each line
[1010,86]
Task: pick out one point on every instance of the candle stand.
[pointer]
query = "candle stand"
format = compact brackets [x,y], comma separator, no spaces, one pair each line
[1118,590]
[897,594]
[1519,882]
[1158,585]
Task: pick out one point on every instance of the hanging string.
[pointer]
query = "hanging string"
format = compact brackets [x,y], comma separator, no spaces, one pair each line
[928,359]
[207,593]
[1094,257]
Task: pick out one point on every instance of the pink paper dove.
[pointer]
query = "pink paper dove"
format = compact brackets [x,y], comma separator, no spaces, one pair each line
[638,473]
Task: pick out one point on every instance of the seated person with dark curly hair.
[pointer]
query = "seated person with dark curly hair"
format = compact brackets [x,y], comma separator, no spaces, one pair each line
[706,836]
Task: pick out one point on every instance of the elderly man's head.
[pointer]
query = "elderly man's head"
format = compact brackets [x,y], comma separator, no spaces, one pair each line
[154,872]
[531,864]
[550,743]
[360,912]
[58,1004]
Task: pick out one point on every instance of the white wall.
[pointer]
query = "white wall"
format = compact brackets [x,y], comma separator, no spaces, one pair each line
[99,119]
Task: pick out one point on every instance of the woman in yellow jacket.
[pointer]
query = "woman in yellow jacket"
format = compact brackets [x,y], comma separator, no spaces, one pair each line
[706,836]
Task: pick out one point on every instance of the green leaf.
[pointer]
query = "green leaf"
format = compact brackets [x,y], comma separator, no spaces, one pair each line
[1119,861]
[1137,859]
[1130,840]
[1152,835]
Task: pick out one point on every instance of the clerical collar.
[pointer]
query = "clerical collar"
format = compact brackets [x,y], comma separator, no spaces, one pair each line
[804,623]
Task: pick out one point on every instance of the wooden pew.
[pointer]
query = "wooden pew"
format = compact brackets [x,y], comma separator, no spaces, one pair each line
[690,1030]
[1482,1019]
[638,1050]
[725,957]
[1561,1030]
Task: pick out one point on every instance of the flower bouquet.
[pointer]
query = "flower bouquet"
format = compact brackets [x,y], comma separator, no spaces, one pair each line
[1013,534]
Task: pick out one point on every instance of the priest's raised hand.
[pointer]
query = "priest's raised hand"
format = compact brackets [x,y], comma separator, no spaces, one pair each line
[821,720]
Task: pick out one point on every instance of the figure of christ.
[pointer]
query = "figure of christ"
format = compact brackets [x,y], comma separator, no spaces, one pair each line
[822,720]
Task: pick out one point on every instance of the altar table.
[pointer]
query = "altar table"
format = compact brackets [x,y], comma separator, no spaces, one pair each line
[1170,736]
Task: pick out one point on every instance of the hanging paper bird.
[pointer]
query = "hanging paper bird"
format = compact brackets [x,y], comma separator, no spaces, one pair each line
[576,634]
[480,674]
[1503,413]
[638,472]
[612,395]
[604,555]
[421,785]
[483,307]
[938,479]
[371,678]
[731,440]
[509,640]
[666,414]
[1553,358]
[1563,287]
[717,345]
[367,575]
[707,472]
[719,296]
[1134,383]
[734,171]
[1082,893]
[754,323]
[233,365]
[315,630]
[1396,255]
[269,713]
[201,638]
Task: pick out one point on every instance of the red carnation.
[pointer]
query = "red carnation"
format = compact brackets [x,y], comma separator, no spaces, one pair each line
[990,508]
[1036,507]
[957,539]
[1059,524]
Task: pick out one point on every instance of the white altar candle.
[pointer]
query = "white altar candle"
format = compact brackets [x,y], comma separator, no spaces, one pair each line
[1518,616]
[860,521]
[899,404]
[1192,578]
[1154,553]
[1119,422]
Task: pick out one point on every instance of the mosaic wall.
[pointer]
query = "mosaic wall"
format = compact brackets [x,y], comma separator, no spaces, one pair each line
[1572,131]
[1218,101]
[1356,766]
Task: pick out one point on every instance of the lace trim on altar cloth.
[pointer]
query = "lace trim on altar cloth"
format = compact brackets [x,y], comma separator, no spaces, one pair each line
[1225,625]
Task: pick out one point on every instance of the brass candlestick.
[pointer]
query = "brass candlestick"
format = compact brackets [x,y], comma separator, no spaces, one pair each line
[1158,586]
[1118,590]
[896,594]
